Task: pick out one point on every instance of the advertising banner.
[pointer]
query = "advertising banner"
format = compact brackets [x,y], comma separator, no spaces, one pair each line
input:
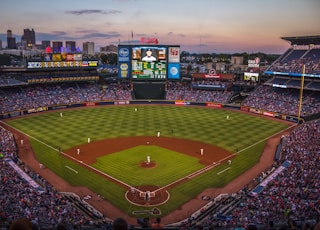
[174,54]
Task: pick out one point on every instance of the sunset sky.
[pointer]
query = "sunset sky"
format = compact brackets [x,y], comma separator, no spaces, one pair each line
[201,26]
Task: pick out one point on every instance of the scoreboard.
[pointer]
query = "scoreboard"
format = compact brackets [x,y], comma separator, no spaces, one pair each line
[148,70]
[61,64]
[151,62]
[62,61]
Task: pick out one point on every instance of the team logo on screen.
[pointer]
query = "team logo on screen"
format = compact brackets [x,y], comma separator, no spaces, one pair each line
[124,52]
[124,66]
[174,70]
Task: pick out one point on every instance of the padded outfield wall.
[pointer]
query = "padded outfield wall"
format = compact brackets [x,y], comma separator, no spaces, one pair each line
[150,102]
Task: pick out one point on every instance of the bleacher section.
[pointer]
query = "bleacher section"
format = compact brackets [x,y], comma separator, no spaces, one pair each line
[283,100]
[302,59]
[293,63]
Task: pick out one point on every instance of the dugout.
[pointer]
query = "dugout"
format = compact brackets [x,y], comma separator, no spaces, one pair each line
[149,90]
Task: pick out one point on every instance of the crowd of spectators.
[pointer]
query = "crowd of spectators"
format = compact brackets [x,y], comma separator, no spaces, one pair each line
[46,207]
[39,95]
[179,91]
[210,83]
[292,198]
[35,96]
[294,61]
[284,101]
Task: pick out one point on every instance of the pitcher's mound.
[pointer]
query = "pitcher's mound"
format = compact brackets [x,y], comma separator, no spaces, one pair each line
[145,164]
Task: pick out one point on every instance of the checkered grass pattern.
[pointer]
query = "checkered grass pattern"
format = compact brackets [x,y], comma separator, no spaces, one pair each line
[241,131]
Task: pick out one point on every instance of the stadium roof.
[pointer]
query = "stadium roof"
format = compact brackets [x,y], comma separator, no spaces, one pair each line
[303,40]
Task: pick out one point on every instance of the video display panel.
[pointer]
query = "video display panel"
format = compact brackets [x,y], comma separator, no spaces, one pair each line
[149,62]
[61,64]
[251,76]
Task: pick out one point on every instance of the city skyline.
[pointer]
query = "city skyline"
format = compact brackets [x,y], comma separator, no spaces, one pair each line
[203,26]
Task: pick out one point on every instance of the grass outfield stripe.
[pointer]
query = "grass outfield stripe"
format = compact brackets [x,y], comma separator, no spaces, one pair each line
[194,123]
[263,140]
[31,137]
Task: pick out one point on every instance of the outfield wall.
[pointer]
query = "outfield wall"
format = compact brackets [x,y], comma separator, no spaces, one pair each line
[151,102]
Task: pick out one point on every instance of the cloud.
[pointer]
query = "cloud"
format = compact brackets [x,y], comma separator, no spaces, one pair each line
[81,12]
[100,35]
[53,36]
[139,34]
[179,35]
[57,33]
[89,35]
[86,31]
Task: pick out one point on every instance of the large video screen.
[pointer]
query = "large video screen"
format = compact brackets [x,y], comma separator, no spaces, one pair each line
[148,62]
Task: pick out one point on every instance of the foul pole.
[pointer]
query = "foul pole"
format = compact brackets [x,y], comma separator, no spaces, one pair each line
[301,91]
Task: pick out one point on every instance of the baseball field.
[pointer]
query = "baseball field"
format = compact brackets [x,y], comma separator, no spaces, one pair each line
[142,157]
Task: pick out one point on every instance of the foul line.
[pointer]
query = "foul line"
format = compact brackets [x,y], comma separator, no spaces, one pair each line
[183,178]
[223,171]
[250,146]
[71,169]
[70,157]
[29,136]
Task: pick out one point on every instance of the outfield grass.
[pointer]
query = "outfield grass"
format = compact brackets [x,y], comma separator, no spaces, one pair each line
[241,131]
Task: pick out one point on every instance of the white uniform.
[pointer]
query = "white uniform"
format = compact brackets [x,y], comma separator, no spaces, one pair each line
[149,58]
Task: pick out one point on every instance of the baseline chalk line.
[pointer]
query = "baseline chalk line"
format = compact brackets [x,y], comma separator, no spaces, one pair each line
[223,171]
[71,169]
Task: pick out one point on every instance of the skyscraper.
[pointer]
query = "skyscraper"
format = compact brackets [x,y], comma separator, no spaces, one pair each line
[88,48]
[28,38]
[70,46]
[11,41]
[45,44]
[56,47]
